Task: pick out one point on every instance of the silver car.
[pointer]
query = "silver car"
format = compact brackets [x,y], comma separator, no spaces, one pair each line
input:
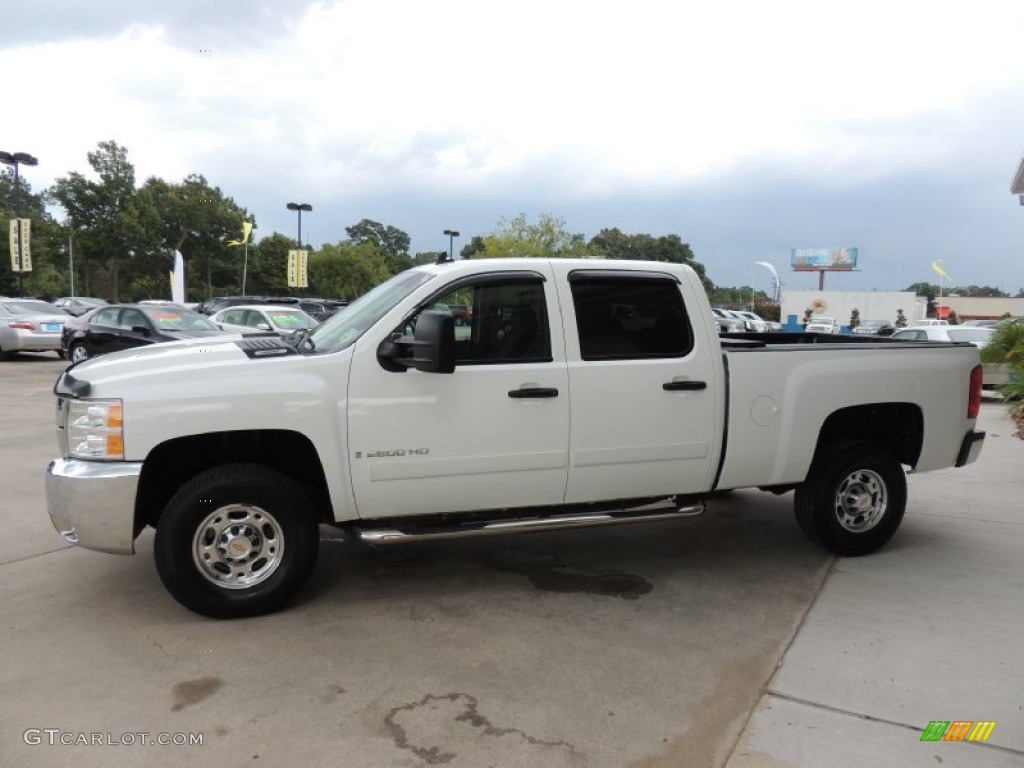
[29,325]
[280,320]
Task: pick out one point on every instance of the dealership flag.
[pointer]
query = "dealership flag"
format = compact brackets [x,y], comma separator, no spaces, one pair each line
[178,279]
[246,229]
[937,266]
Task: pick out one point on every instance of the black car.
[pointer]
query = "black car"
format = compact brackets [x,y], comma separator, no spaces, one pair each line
[125,326]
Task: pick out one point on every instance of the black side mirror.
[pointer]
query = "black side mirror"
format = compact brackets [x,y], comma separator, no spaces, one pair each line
[431,349]
[141,330]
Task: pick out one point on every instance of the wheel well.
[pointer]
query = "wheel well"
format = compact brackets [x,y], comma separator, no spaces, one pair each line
[170,465]
[897,426]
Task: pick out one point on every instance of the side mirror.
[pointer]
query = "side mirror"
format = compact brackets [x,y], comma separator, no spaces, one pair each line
[262,326]
[431,349]
[141,330]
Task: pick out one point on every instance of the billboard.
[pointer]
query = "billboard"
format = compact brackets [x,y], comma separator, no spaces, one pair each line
[823,259]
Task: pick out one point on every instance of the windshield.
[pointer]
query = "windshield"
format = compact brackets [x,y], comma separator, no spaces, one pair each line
[179,320]
[290,319]
[822,320]
[347,325]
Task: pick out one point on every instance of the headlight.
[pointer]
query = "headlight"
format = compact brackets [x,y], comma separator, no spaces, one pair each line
[95,429]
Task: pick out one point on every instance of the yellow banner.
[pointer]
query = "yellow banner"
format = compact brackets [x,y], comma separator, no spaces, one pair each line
[298,270]
[26,240]
[15,251]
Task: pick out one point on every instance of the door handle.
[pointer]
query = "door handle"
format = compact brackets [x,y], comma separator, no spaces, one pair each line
[673,386]
[533,392]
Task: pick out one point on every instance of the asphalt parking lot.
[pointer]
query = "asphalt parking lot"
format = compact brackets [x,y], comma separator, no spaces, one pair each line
[726,639]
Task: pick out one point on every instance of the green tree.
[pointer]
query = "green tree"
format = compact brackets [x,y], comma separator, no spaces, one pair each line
[391,241]
[347,270]
[548,238]
[429,257]
[474,248]
[1007,346]
[854,318]
[97,212]
[48,277]
[901,319]
[268,265]
[614,244]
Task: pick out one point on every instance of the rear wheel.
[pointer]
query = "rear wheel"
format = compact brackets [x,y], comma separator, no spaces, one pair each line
[853,500]
[238,540]
[78,353]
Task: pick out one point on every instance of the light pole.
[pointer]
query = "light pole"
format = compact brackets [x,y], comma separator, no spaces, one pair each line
[16,159]
[300,207]
[452,234]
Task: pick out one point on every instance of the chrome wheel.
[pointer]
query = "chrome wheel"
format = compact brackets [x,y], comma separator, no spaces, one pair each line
[861,500]
[79,353]
[238,546]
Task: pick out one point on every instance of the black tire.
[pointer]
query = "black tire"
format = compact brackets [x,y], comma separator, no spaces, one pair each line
[238,540]
[62,354]
[78,352]
[853,499]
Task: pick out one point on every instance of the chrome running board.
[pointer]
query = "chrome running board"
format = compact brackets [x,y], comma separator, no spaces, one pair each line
[492,527]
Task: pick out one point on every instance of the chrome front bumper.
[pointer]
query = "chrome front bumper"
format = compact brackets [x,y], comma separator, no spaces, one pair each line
[92,503]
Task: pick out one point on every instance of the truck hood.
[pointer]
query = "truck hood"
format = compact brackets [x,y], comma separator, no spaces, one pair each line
[190,357]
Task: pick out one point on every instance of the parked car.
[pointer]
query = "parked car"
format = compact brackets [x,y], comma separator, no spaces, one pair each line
[977,336]
[30,325]
[875,328]
[280,320]
[821,324]
[76,306]
[751,321]
[125,326]
[727,322]
[217,303]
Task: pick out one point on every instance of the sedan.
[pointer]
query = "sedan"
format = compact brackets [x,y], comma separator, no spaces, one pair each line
[29,325]
[875,328]
[126,326]
[727,322]
[76,306]
[280,320]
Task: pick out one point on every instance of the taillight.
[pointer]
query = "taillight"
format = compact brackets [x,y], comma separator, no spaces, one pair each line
[974,401]
[24,325]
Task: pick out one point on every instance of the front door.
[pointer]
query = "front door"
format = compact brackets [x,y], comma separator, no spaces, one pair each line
[493,434]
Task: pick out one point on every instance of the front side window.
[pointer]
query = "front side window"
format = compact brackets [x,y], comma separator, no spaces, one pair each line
[626,317]
[496,321]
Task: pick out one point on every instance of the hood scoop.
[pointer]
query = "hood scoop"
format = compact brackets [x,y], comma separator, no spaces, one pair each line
[265,346]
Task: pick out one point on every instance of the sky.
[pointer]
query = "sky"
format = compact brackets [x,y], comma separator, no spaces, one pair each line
[747,128]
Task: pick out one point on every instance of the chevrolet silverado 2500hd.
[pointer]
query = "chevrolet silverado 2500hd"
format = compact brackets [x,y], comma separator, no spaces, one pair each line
[578,393]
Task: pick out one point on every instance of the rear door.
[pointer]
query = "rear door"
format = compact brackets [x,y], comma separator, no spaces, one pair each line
[642,381]
[493,434]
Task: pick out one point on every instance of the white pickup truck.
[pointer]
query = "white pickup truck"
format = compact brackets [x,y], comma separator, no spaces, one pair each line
[578,393]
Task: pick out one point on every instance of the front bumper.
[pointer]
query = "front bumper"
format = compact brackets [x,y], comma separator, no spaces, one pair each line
[92,503]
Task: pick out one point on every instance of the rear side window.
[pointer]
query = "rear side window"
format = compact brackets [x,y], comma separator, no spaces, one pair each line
[627,318]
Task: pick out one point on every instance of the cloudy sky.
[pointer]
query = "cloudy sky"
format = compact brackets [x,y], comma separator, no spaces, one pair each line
[748,128]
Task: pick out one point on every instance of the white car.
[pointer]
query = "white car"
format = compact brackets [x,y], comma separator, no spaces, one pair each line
[752,321]
[822,324]
[728,322]
[249,318]
[974,334]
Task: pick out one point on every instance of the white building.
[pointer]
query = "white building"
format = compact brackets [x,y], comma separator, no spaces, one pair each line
[872,305]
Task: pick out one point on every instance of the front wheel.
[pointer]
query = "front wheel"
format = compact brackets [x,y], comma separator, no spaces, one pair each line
[238,540]
[853,499]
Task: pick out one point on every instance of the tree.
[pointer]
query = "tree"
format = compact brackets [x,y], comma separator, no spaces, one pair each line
[952,318]
[614,244]
[348,270]
[47,278]
[808,314]
[96,211]
[429,257]
[392,242]
[546,239]
[854,318]
[901,319]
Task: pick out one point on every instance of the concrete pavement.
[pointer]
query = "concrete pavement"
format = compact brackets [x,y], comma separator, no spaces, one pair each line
[645,646]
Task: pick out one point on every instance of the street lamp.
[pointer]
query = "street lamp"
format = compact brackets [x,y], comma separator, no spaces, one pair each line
[300,207]
[16,159]
[452,234]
